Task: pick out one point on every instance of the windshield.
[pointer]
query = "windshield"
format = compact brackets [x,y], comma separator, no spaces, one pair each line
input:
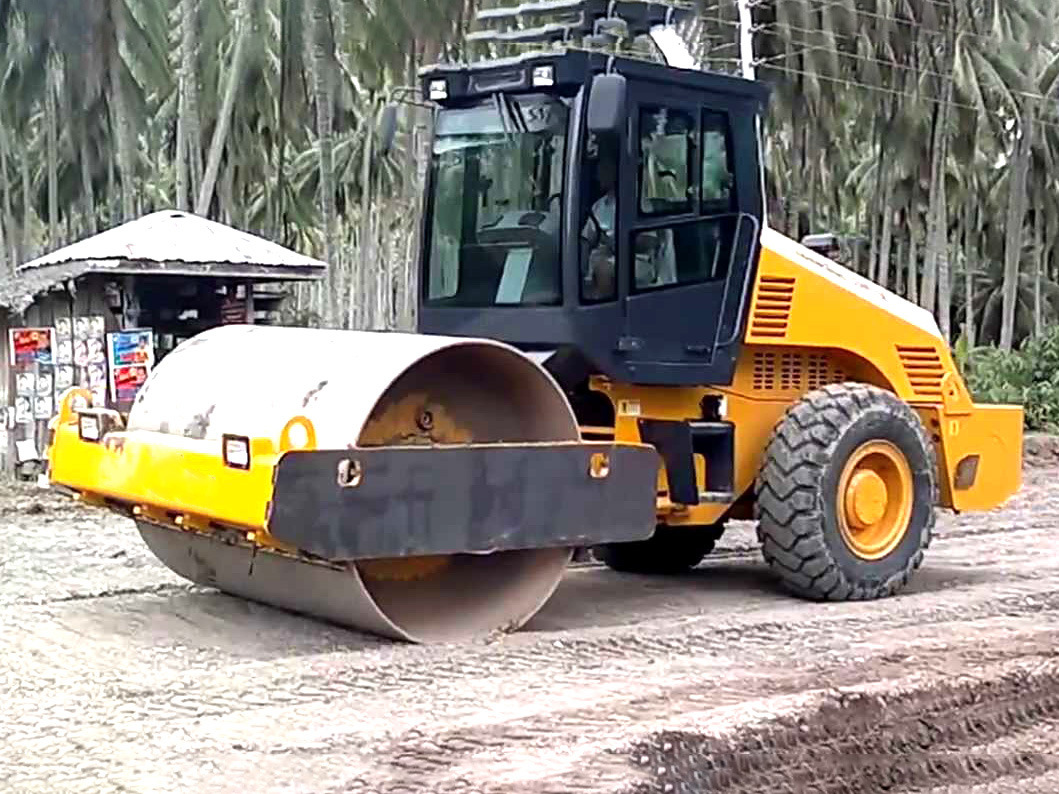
[497,172]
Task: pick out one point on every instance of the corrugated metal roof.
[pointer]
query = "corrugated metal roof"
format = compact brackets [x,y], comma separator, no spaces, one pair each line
[19,290]
[166,242]
[170,236]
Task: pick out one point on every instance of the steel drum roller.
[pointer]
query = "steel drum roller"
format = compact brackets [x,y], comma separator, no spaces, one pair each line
[359,389]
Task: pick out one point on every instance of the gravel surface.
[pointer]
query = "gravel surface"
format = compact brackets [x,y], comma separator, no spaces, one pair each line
[117,676]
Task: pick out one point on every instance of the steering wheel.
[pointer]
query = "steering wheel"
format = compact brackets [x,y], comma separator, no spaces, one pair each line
[600,235]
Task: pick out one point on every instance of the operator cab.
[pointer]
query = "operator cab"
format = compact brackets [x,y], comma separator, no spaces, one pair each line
[577,200]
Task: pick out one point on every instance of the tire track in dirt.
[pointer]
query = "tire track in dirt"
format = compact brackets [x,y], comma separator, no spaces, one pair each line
[941,535]
[849,741]
[864,742]
[568,659]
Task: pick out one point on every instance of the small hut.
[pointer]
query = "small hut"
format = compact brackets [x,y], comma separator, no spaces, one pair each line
[102,312]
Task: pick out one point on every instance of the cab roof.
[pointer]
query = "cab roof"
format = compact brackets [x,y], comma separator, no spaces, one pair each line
[573,68]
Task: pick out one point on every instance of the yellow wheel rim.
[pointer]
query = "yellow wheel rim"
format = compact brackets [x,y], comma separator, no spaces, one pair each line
[875,499]
[414,420]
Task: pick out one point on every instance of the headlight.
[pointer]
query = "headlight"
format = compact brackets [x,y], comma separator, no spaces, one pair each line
[88,427]
[236,451]
[543,75]
[438,89]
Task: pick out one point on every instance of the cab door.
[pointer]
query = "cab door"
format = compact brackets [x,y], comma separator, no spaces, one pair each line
[691,234]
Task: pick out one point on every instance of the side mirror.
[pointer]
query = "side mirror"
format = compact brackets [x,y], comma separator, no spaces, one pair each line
[387,128]
[606,105]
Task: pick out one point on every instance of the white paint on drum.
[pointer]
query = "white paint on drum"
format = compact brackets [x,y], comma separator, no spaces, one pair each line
[250,380]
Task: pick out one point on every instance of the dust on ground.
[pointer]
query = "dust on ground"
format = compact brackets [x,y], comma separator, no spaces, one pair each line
[117,676]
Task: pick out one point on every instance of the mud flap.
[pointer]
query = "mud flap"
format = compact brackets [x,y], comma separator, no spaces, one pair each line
[407,501]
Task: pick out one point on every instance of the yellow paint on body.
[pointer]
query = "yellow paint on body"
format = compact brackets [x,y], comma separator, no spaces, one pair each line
[805,331]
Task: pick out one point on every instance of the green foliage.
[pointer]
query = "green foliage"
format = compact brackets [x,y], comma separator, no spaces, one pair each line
[1028,377]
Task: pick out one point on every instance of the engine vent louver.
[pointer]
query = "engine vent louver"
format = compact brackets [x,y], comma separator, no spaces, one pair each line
[772,307]
[923,367]
[794,372]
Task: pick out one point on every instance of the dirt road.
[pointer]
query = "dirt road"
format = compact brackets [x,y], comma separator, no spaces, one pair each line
[116,676]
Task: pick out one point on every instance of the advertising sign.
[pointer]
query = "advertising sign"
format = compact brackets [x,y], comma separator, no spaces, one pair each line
[31,346]
[131,356]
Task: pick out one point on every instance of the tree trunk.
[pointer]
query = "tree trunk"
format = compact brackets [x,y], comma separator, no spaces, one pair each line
[928,295]
[936,293]
[323,72]
[970,261]
[886,241]
[7,219]
[181,164]
[415,169]
[1016,217]
[876,201]
[1038,256]
[120,115]
[243,24]
[365,293]
[52,154]
[27,208]
[189,125]
[913,261]
[899,271]
[796,165]
[88,209]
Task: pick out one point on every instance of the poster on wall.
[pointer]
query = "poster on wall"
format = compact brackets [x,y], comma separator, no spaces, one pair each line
[131,356]
[96,353]
[126,381]
[23,410]
[97,375]
[42,406]
[25,383]
[30,346]
[64,378]
[64,351]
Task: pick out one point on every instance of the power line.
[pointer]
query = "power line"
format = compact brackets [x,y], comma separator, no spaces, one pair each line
[889,63]
[883,89]
[896,65]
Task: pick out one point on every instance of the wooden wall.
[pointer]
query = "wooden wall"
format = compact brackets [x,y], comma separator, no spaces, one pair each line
[87,300]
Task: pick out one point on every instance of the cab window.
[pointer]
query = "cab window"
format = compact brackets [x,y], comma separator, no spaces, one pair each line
[668,160]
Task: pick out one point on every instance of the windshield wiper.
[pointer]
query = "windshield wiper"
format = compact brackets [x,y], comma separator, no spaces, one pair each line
[516,113]
[504,107]
[501,110]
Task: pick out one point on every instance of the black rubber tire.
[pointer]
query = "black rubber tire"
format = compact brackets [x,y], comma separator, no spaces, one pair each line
[797,500]
[671,550]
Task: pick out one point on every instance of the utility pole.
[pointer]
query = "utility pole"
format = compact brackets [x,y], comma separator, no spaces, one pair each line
[746,60]
[746,38]
[677,54]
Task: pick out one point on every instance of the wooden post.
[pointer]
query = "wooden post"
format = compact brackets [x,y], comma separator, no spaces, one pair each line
[249,287]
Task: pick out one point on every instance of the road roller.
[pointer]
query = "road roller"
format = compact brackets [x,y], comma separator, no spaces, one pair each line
[613,351]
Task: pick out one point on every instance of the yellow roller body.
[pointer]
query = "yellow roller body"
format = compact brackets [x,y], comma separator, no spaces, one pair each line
[275,393]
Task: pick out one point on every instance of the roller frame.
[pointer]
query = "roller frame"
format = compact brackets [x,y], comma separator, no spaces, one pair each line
[475,498]
[499,497]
